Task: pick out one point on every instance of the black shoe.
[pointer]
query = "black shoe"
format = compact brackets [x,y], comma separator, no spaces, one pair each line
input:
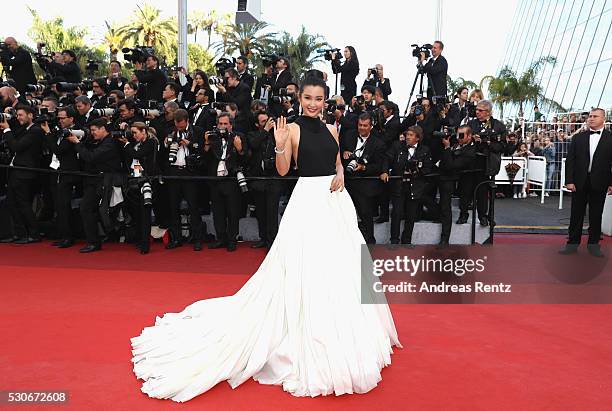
[394,241]
[197,246]
[260,244]
[462,220]
[173,244]
[442,245]
[484,221]
[57,243]
[27,240]
[217,244]
[65,244]
[408,245]
[569,249]
[382,219]
[9,240]
[90,248]
[594,250]
[231,247]
[143,250]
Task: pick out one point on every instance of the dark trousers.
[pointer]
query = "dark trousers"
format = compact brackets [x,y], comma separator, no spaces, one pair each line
[63,198]
[364,204]
[90,208]
[404,207]
[225,196]
[267,195]
[482,195]
[141,216]
[446,215]
[161,205]
[188,190]
[466,193]
[19,198]
[383,201]
[580,198]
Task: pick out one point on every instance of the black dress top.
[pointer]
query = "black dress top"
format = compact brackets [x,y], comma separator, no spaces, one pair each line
[317,149]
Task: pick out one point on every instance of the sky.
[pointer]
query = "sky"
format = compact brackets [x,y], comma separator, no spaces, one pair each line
[474,32]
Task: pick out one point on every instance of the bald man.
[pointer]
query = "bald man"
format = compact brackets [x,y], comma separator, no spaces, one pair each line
[17,63]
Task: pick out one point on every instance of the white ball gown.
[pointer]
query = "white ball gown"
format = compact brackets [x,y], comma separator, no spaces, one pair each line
[297,322]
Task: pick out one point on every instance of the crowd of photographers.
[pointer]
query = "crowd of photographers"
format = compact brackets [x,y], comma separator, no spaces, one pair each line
[111,138]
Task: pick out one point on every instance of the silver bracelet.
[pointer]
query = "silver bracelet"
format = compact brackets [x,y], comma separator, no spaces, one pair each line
[277,151]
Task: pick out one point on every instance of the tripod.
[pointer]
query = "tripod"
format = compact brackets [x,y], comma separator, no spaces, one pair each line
[418,77]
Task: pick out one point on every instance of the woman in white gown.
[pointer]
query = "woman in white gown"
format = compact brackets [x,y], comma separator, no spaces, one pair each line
[298,321]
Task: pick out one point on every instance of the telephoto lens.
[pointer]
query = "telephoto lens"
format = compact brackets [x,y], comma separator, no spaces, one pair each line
[172,152]
[215,81]
[242,183]
[5,117]
[147,194]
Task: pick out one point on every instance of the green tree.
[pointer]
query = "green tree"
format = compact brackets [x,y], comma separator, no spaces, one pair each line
[148,28]
[199,58]
[112,39]
[246,39]
[301,50]
[453,85]
[509,88]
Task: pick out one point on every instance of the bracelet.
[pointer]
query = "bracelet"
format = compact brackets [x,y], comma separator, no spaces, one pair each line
[277,151]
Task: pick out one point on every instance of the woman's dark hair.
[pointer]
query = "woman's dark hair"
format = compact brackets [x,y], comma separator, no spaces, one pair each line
[133,85]
[204,77]
[354,56]
[312,80]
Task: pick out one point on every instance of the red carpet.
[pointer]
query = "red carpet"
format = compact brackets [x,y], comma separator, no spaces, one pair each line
[67,319]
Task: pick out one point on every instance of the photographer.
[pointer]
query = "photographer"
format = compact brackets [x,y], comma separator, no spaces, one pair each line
[201,112]
[339,116]
[100,155]
[411,160]
[460,109]
[65,67]
[282,79]
[262,163]
[422,115]
[128,115]
[64,158]
[85,110]
[153,78]
[376,78]
[390,133]
[456,157]
[99,99]
[171,92]
[349,71]
[264,83]
[489,136]
[225,151]
[436,69]
[115,80]
[234,91]
[184,146]
[25,144]
[141,159]
[465,180]
[362,155]
[130,91]
[291,105]
[242,67]
[10,98]
[17,64]
[365,102]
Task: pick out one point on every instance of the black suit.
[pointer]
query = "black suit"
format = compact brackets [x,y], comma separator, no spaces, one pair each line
[247,78]
[349,70]
[155,81]
[363,192]
[452,162]
[70,71]
[19,68]
[262,81]
[406,195]
[203,118]
[115,83]
[225,195]
[385,87]
[436,75]
[279,81]
[66,154]
[240,95]
[591,187]
[25,145]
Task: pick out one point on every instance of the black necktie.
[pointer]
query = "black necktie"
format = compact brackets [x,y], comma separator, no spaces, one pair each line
[595,132]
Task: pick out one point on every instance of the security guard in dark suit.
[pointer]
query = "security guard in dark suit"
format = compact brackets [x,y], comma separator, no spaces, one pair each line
[409,159]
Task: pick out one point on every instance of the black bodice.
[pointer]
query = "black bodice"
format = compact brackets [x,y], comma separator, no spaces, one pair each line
[317,150]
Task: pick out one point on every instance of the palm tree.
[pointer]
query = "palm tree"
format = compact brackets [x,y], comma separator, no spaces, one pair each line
[507,87]
[453,85]
[112,39]
[195,24]
[301,50]
[223,27]
[148,28]
[209,23]
[246,39]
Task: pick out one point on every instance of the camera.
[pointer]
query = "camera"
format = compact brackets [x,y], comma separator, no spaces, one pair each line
[282,99]
[105,112]
[32,102]
[242,183]
[223,64]
[449,132]
[66,132]
[413,168]
[45,116]
[63,86]
[36,88]
[92,65]
[327,53]
[149,112]
[360,100]
[6,117]
[138,54]
[269,59]
[147,194]
[219,105]
[488,135]
[8,83]
[127,133]
[417,50]
[372,72]
[438,103]
[354,161]
[3,46]
[219,133]
[215,81]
